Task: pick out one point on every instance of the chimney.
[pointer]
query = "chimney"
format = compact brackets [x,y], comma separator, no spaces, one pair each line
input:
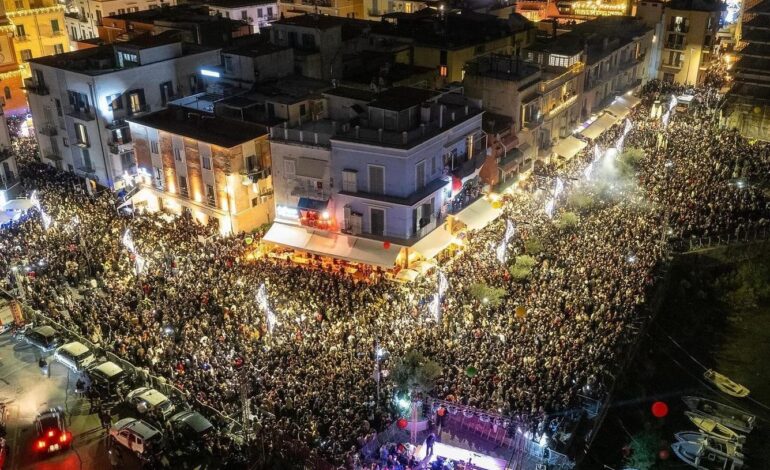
[379,133]
[404,137]
[453,116]
[441,116]
[425,113]
[358,131]
[467,110]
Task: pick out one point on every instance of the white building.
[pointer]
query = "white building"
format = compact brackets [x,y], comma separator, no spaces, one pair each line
[83,98]
[257,13]
[84,17]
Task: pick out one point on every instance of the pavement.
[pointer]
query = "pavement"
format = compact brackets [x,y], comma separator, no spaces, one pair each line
[27,391]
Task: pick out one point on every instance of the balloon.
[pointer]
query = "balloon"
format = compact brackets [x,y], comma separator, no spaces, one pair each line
[386,245]
[441,411]
[471,371]
[402,423]
[520,311]
[659,409]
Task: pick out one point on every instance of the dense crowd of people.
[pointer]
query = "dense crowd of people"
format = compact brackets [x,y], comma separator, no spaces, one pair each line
[191,314]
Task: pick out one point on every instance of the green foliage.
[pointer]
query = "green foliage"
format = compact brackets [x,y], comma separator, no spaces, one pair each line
[568,221]
[522,268]
[486,294]
[630,161]
[644,451]
[581,201]
[415,373]
[533,246]
[749,285]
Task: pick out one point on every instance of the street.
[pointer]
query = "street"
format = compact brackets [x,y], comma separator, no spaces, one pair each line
[27,392]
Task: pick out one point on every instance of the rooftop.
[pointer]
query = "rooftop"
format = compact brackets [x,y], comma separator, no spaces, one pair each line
[502,67]
[237,3]
[186,13]
[204,127]
[351,93]
[254,50]
[493,123]
[401,98]
[696,5]
[319,21]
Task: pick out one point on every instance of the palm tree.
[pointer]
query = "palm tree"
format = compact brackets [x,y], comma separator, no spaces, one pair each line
[415,375]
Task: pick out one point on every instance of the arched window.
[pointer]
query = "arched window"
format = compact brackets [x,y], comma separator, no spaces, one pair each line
[7,92]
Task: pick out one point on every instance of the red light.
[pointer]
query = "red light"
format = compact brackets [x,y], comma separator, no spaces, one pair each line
[659,409]
[41,444]
[50,433]
[64,437]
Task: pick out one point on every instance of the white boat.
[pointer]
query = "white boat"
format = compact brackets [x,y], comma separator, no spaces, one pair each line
[731,417]
[725,384]
[698,456]
[713,428]
[732,449]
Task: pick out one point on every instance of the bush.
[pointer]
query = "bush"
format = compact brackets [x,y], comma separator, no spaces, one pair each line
[568,221]
[630,161]
[486,294]
[522,268]
[415,373]
[533,246]
[580,201]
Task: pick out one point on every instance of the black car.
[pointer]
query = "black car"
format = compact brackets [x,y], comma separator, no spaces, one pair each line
[190,429]
[108,379]
[43,337]
[51,435]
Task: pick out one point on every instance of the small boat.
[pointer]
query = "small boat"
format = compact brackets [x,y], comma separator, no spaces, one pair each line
[731,449]
[733,418]
[713,428]
[698,456]
[725,384]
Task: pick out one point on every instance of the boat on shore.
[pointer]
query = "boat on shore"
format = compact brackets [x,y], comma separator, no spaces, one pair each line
[726,385]
[729,416]
[698,456]
[731,449]
[713,428]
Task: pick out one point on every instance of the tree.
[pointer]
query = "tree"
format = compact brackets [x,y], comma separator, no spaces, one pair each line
[487,294]
[644,451]
[415,374]
[522,268]
[533,246]
[630,161]
[580,200]
[568,221]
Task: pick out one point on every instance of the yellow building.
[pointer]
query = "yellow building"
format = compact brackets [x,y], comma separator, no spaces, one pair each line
[343,8]
[690,33]
[38,29]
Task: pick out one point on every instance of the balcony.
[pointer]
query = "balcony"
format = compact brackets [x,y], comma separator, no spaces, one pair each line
[675,65]
[87,169]
[675,45]
[48,129]
[35,88]
[561,107]
[81,114]
[678,28]
[117,124]
[119,147]
[21,38]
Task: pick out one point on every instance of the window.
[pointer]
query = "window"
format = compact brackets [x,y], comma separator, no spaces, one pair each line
[21,33]
[26,55]
[376,179]
[127,59]
[259,13]
[7,93]
[308,41]
[154,146]
[19,4]
[183,185]
[227,62]
[81,133]
[136,101]
[55,26]
[58,107]
[177,154]
[58,49]
[206,162]
[442,71]
[115,102]
[166,92]
[65,142]
[87,160]
[244,15]
[302,110]
[289,167]
[269,12]
[98,17]
[419,176]
[349,181]
[377,221]
[211,198]
[127,161]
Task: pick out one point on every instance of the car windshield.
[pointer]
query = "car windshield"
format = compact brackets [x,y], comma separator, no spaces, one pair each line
[49,422]
[82,355]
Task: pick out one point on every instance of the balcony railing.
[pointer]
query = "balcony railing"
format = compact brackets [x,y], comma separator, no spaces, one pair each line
[21,38]
[120,147]
[561,107]
[35,88]
[87,169]
[8,182]
[81,114]
[679,46]
[678,28]
[48,129]
[117,124]
[675,65]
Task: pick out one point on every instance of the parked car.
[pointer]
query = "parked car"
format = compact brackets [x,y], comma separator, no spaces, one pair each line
[108,378]
[75,356]
[43,337]
[137,436]
[190,429]
[147,399]
[51,434]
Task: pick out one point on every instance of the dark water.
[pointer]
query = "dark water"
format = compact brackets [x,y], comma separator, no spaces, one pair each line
[700,312]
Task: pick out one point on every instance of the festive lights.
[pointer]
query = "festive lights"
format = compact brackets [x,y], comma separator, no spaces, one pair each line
[264,304]
[502,251]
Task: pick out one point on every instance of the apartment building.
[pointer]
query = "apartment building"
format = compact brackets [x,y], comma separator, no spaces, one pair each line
[748,101]
[375,172]
[80,100]
[38,30]
[12,98]
[84,17]
[258,14]
[215,168]
[342,8]
[690,36]
[9,171]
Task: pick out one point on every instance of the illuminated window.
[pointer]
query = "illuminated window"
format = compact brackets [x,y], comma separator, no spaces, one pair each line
[443,71]
[136,101]
[82,134]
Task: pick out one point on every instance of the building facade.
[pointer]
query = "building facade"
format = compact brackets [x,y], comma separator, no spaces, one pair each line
[343,8]
[257,13]
[690,34]
[12,98]
[80,101]
[84,17]
[217,169]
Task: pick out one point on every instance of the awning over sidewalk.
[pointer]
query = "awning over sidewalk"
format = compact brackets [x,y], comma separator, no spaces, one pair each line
[604,122]
[631,101]
[618,108]
[335,245]
[433,243]
[569,147]
[478,214]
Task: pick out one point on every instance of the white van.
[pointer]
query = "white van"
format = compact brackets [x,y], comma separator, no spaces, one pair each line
[75,356]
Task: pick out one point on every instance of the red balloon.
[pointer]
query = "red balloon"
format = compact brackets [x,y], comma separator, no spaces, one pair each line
[386,245]
[659,409]
[664,454]
[441,411]
[402,423]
